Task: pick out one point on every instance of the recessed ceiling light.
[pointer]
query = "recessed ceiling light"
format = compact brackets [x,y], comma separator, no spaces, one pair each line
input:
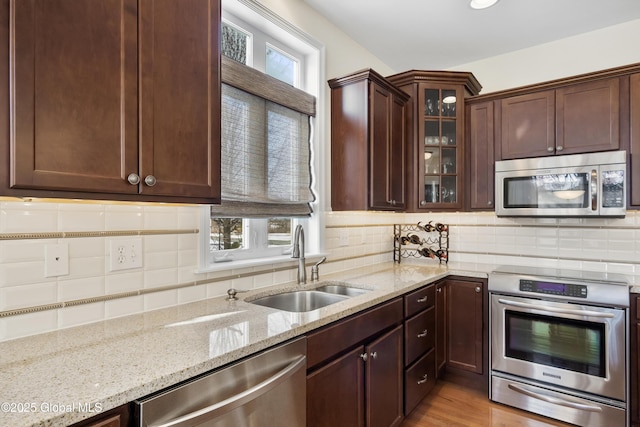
[482,4]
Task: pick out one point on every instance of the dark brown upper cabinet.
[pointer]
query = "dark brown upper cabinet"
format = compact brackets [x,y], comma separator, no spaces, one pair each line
[367,143]
[481,159]
[114,100]
[634,149]
[577,118]
[436,145]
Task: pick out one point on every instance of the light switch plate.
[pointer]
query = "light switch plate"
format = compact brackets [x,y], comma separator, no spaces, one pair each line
[56,260]
[125,254]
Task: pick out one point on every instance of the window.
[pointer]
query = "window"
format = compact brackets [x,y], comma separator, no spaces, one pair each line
[255,172]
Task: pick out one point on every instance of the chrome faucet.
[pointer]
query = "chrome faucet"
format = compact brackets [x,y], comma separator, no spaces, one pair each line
[298,252]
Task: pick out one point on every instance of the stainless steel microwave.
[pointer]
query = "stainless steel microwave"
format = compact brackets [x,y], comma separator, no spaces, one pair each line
[580,185]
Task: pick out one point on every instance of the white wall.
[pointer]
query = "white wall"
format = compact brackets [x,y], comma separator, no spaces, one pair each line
[598,50]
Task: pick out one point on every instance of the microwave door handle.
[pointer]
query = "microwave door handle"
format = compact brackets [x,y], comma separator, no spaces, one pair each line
[594,190]
[555,400]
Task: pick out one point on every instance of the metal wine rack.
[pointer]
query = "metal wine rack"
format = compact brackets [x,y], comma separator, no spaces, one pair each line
[430,240]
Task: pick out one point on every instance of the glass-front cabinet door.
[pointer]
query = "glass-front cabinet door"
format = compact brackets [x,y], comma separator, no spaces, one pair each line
[442,152]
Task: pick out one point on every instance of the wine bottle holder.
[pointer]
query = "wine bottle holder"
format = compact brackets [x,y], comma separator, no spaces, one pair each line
[429,240]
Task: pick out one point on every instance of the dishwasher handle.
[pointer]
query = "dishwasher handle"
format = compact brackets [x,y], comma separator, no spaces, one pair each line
[239,399]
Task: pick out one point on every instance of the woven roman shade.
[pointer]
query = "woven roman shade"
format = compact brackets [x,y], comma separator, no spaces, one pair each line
[266,146]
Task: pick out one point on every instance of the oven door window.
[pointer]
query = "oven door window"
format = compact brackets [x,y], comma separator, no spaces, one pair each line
[554,191]
[562,343]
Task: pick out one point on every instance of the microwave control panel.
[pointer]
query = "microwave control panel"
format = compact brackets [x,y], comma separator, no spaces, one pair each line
[553,288]
[613,188]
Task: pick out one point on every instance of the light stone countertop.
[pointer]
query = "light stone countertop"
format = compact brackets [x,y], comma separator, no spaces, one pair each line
[110,363]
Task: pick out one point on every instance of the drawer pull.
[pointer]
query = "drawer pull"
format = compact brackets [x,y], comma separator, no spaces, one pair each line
[422,334]
[423,299]
[424,379]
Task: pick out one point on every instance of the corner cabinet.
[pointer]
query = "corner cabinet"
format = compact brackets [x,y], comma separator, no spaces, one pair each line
[367,143]
[435,167]
[114,100]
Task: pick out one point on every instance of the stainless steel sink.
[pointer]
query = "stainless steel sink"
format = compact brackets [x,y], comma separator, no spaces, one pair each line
[337,289]
[299,301]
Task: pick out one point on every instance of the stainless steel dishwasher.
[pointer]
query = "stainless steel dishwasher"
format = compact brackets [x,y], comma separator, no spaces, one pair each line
[264,390]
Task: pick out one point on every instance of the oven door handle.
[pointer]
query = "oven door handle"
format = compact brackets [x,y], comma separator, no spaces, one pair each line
[556,309]
[555,400]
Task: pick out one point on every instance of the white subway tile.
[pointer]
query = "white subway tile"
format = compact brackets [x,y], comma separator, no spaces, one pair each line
[22,273]
[124,281]
[28,324]
[69,290]
[16,251]
[123,306]
[191,293]
[162,299]
[29,220]
[80,314]
[24,296]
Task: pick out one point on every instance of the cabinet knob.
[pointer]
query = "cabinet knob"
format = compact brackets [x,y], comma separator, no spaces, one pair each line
[478,289]
[439,290]
[374,355]
[550,149]
[133,178]
[423,334]
[424,379]
[364,356]
[559,148]
[423,202]
[391,202]
[490,203]
[150,180]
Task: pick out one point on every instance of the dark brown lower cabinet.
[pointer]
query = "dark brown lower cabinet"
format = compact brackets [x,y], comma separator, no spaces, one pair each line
[116,417]
[465,323]
[634,357]
[358,379]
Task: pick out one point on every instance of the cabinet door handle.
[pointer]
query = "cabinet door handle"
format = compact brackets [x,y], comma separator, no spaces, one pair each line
[423,334]
[364,356]
[150,180]
[423,299]
[424,379]
[133,179]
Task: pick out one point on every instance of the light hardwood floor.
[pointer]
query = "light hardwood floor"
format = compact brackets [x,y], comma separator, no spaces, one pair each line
[451,404]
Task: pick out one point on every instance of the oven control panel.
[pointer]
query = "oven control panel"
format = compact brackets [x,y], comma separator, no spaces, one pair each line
[553,288]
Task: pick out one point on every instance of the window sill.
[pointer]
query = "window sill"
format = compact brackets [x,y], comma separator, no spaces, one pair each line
[257,262]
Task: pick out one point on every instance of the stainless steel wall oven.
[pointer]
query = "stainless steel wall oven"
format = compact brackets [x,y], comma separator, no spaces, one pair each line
[559,344]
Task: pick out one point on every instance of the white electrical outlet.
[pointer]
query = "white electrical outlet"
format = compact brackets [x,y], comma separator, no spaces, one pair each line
[56,260]
[126,254]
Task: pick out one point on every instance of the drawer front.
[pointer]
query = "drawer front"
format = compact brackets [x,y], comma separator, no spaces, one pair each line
[419,335]
[419,300]
[343,334]
[419,380]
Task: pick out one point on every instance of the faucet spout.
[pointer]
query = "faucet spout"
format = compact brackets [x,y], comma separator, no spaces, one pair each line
[298,252]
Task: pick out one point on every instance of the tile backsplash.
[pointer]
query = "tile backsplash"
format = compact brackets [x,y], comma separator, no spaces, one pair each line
[91,292]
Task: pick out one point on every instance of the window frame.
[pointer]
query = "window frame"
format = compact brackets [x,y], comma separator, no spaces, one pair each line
[249,16]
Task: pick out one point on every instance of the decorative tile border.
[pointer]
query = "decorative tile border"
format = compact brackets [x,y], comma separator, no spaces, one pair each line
[80,234]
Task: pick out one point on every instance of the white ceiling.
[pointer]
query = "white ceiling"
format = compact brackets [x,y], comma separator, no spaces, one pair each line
[440,34]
